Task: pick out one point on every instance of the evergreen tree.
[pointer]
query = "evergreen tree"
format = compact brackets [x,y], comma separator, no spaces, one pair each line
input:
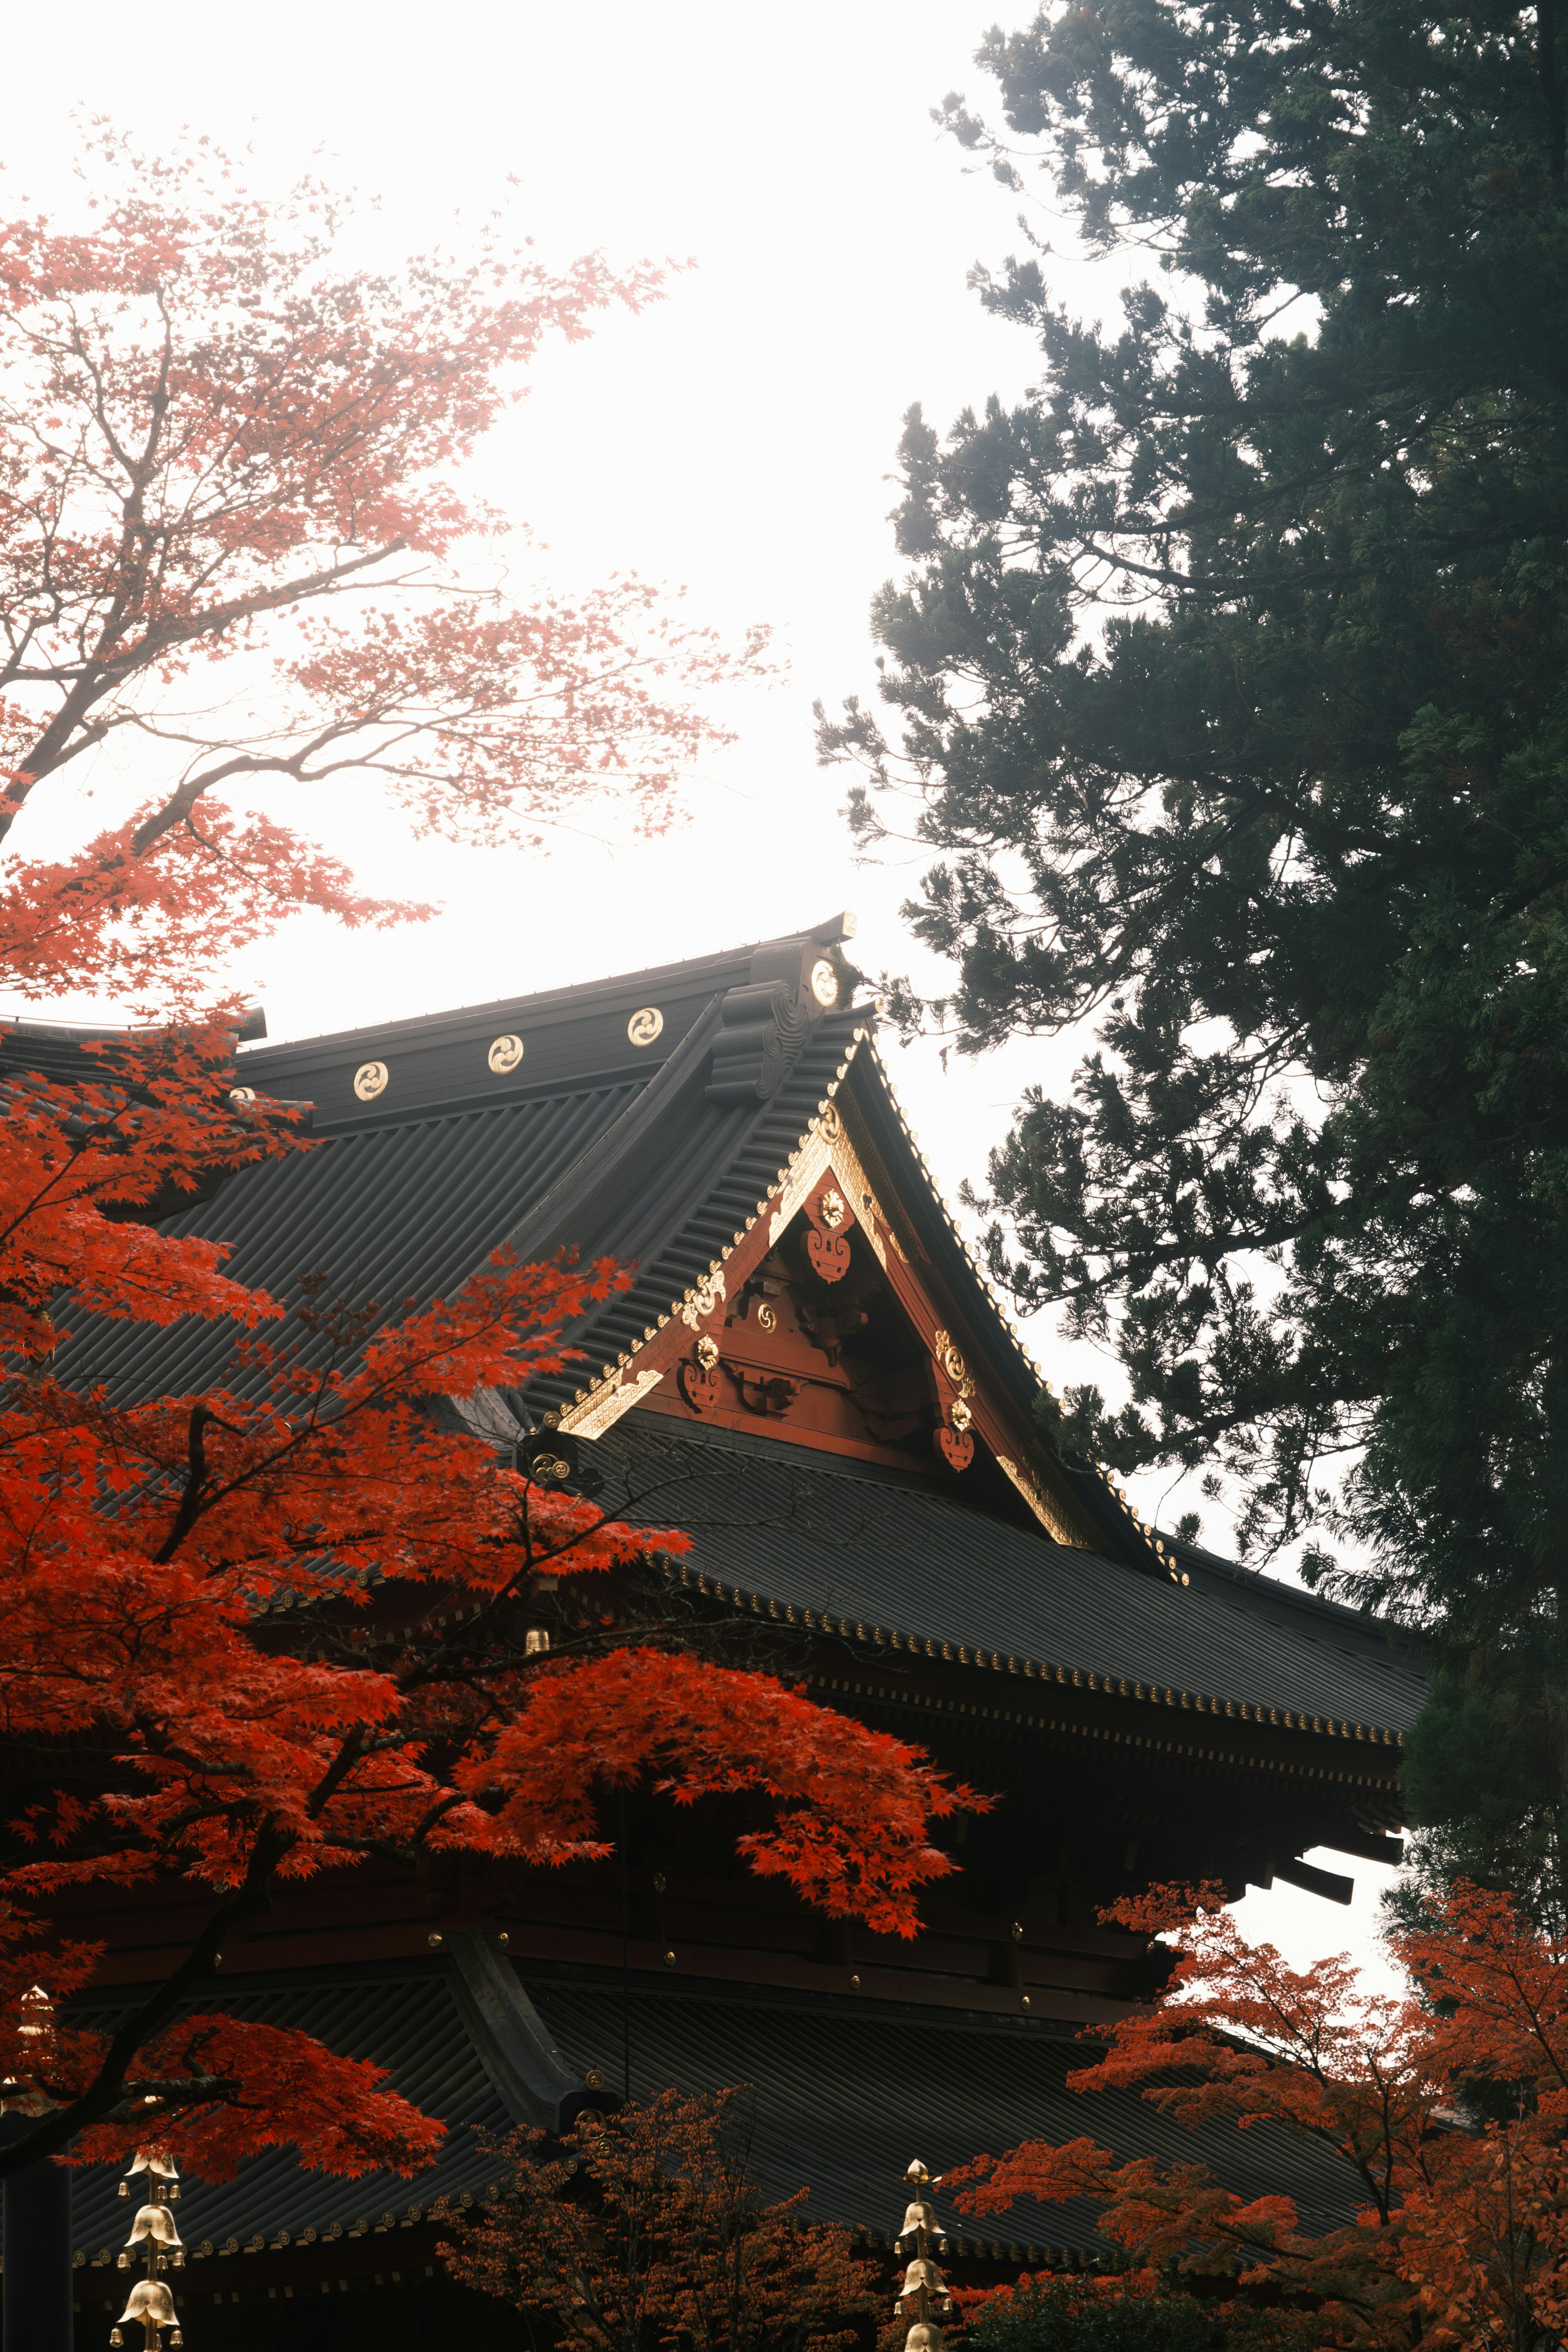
[1227,676]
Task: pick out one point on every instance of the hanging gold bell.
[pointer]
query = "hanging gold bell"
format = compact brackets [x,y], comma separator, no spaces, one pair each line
[922,2272]
[115,2337]
[917,2216]
[150,2299]
[923,2337]
[154,2221]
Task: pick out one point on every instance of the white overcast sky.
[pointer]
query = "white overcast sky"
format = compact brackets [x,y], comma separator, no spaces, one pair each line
[736,440]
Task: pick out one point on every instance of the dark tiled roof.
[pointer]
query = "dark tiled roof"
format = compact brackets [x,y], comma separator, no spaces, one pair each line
[387,1213]
[844,2098]
[828,1535]
[407,2022]
[844,2101]
[594,1143]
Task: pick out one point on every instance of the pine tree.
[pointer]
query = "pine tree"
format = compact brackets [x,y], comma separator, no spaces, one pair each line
[1225,677]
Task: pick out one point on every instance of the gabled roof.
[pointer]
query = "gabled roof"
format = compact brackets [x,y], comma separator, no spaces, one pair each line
[681,1118]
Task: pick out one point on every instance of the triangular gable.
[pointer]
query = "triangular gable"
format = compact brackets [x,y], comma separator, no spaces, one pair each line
[735,1348]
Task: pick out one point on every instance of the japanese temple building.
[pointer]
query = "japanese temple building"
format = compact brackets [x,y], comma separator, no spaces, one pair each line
[814,1376]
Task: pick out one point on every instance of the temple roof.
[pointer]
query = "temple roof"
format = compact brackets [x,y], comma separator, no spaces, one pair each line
[820,2074]
[685,1119]
[916,1566]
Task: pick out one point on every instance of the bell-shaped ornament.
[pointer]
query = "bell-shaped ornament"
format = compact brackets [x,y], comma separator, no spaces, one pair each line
[152,2160]
[923,2337]
[917,2176]
[154,2221]
[116,2338]
[917,2216]
[150,2300]
[922,2272]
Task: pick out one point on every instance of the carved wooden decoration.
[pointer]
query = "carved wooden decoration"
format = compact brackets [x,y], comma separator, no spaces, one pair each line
[828,1254]
[699,1377]
[956,1447]
[955,1435]
[827,1235]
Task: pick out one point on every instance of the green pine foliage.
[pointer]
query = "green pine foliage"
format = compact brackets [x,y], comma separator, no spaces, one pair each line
[1226,684]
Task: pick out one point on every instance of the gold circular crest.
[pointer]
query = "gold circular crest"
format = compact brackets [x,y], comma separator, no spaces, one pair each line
[823,982]
[370,1080]
[505,1054]
[242,1094]
[645,1026]
[766,1317]
[830,1209]
[830,1124]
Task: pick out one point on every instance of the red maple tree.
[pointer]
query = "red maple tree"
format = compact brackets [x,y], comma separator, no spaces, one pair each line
[235,554]
[649,2229]
[250,1637]
[1448,2110]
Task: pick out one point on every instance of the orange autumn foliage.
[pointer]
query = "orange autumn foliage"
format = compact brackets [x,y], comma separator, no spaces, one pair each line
[280,1628]
[236,551]
[228,1599]
[1448,2109]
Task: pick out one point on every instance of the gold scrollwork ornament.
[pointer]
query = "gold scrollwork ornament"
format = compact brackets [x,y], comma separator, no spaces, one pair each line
[706,1296]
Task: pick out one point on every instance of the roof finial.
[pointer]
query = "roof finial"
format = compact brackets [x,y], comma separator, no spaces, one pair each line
[922,2295]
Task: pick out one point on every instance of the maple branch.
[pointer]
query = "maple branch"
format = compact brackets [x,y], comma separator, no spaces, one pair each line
[55,2131]
[202,1416]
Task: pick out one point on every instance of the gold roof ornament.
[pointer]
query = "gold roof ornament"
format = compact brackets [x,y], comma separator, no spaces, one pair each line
[921,2295]
[155,2237]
